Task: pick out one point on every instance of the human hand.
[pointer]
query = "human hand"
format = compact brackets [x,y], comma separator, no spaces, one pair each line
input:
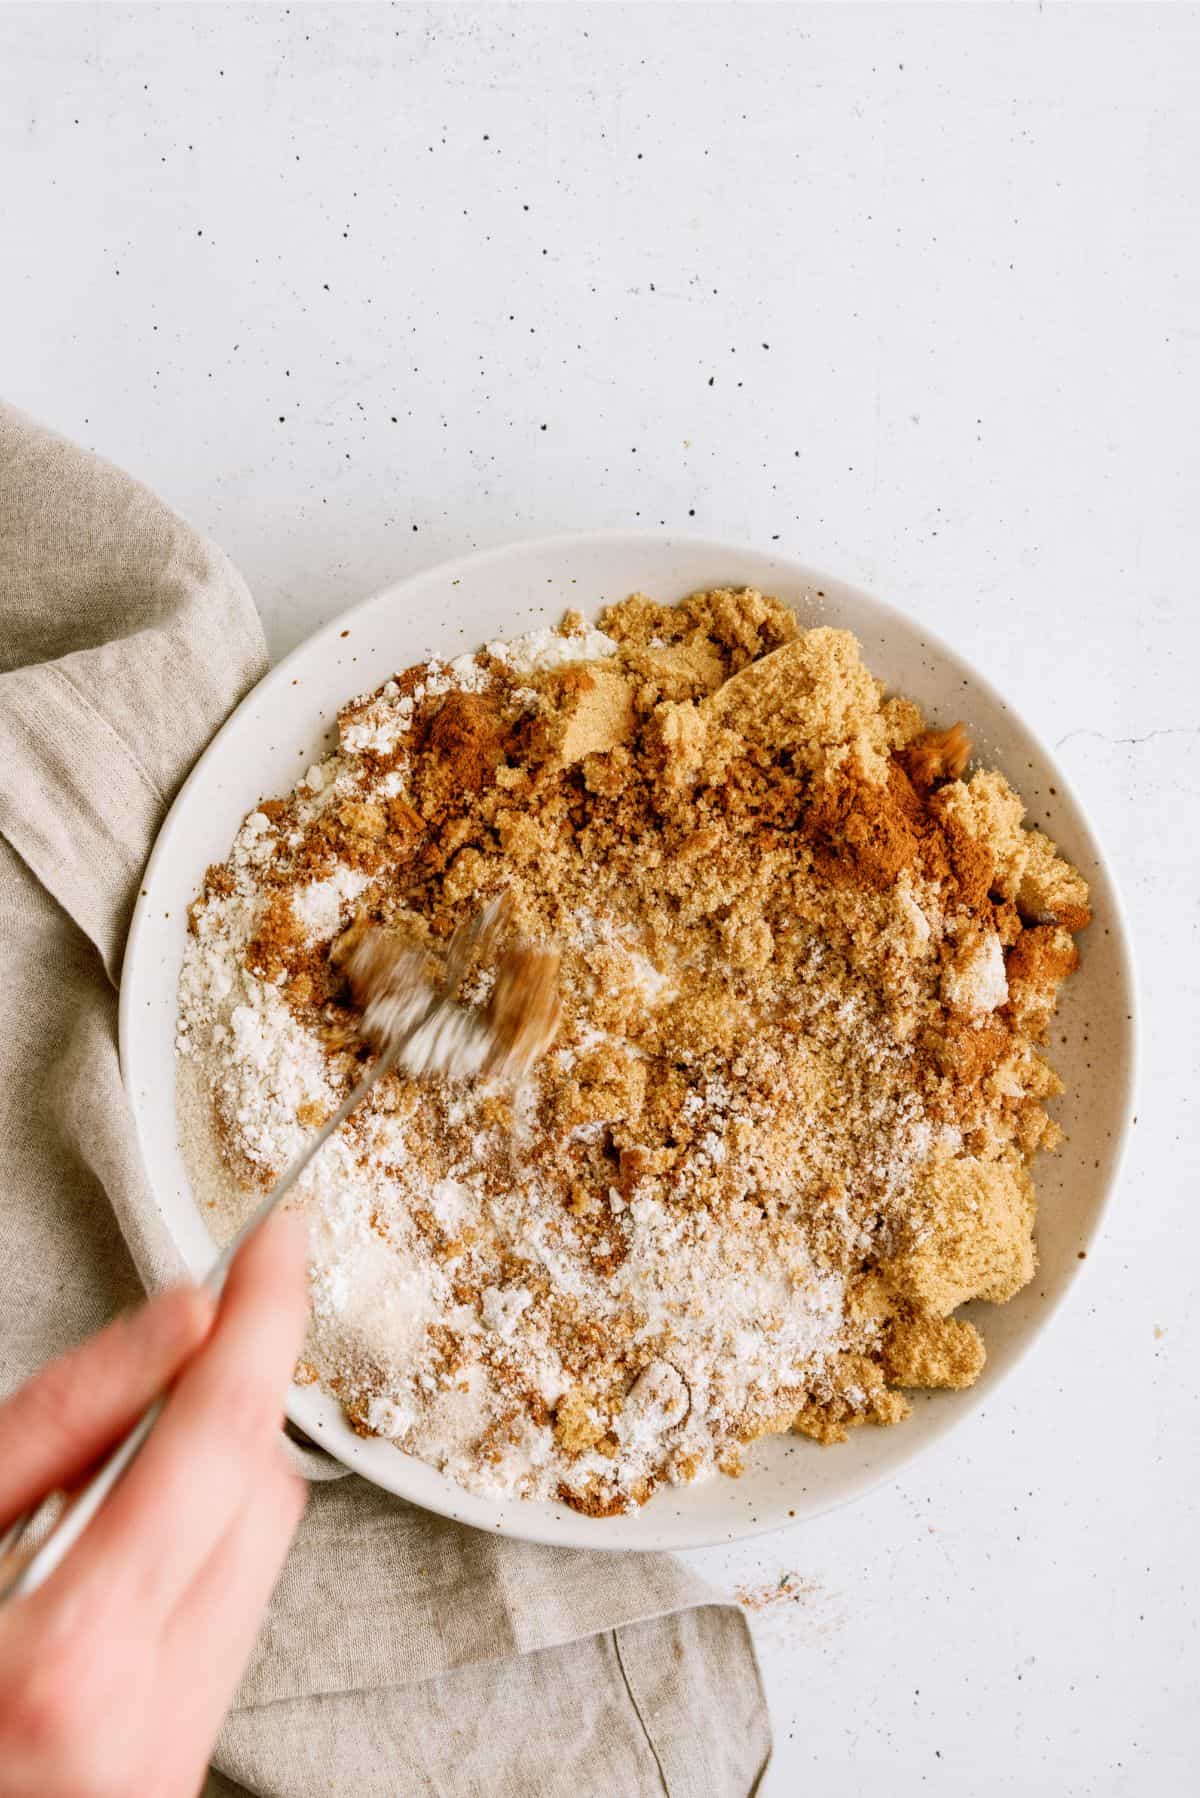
[115,1675]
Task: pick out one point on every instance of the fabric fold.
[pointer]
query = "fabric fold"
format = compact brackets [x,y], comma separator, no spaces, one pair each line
[126,638]
[85,849]
[440,1596]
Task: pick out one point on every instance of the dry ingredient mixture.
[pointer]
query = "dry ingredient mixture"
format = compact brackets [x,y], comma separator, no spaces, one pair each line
[786,1127]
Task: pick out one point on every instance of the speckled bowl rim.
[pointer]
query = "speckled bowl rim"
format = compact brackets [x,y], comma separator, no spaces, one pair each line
[789,1479]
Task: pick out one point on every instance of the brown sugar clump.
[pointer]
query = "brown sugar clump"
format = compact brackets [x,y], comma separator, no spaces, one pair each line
[576,1426]
[363,820]
[812,698]
[1050,890]
[971,1232]
[1024,865]
[989,813]
[739,625]
[859,1395]
[607,1085]
[933,1351]
[675,671]
[677,737]
[593,713]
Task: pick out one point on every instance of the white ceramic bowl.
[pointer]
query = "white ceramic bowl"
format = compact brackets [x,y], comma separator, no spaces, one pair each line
[287,722]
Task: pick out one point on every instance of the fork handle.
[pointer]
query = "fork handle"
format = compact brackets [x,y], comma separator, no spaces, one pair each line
[27,1572]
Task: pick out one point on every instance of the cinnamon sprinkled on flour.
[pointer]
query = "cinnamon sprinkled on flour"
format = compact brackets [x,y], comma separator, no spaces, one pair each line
[806,964]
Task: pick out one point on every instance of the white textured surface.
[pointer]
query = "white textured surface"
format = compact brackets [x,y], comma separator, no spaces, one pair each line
[322,277]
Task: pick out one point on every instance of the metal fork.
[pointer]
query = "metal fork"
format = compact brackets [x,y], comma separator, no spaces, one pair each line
[24,1568]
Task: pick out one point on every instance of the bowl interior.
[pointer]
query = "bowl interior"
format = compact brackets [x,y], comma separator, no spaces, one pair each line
[287,722]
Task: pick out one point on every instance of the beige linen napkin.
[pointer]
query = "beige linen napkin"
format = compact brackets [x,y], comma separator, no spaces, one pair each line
[401,1653]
